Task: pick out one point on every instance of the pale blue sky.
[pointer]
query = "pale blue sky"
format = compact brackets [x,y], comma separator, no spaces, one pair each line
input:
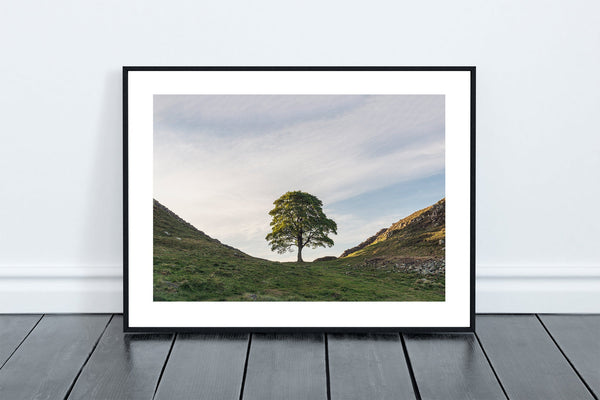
[221,161]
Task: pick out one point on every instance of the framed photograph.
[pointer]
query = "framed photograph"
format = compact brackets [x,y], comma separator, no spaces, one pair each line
[328,199]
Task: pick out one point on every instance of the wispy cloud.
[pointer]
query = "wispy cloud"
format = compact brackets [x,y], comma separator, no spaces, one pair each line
[253,113]
[220,161]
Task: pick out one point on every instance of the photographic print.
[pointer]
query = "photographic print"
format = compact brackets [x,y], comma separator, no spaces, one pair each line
[297,198]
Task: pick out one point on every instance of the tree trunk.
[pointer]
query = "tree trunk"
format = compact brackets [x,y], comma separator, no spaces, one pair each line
[300,245]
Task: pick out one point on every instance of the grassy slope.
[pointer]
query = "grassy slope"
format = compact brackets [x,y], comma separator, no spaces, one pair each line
[420,235]
[191,266]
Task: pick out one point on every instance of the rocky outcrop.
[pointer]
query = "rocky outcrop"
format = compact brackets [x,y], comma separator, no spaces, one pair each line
[432,216]
[415,265]
[429,219]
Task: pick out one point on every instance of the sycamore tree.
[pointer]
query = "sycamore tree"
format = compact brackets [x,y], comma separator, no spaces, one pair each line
[299,220]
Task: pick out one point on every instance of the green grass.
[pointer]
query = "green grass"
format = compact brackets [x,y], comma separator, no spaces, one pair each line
[188,270]
[407,244]
[190,266]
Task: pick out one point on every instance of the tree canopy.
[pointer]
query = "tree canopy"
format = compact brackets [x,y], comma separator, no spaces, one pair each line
[299,220]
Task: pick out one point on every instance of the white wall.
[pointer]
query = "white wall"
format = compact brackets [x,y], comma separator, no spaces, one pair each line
[538,127]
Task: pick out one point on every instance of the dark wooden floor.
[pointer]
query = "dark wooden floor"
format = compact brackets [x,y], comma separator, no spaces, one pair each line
[510,356]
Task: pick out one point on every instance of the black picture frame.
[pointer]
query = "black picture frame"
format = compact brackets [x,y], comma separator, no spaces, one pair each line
[131,327]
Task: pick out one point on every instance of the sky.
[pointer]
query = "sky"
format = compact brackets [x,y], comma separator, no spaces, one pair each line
[220,161]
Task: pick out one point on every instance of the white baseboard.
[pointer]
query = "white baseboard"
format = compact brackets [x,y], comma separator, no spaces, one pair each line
[50,289]
[504,289]
[538,289]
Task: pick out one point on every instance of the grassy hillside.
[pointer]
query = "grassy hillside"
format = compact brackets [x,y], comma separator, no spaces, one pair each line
[421,234]
[191,266]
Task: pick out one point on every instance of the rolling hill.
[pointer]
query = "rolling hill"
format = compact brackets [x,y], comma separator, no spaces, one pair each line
[189,265]
[170,230]
[421,234]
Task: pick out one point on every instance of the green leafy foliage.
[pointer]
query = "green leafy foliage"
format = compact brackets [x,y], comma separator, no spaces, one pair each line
[299,220]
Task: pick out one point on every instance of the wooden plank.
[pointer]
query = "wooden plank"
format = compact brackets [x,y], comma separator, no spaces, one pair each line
[13,329]
[526,360]
[451,366]
[579,338]
[46,364]
[286,366]
[368,366]
[123,366]
[205,367]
